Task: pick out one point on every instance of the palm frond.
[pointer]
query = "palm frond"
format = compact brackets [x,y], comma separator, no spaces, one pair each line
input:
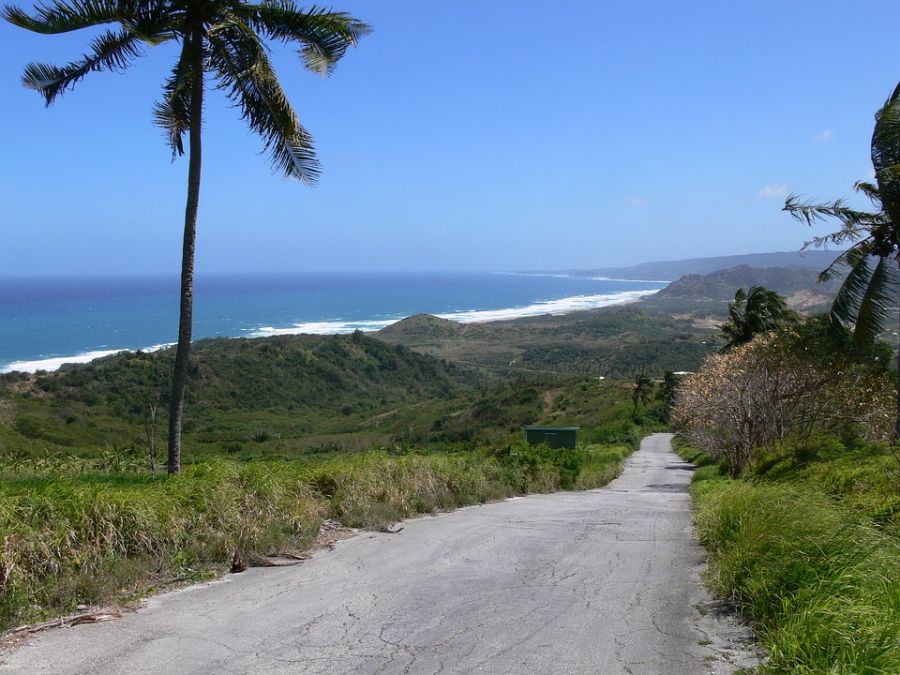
[874,307]
[247,78]
[845,306]
[886,152]
[324,35]
[110,51]
[173,112]
[62,17]
[870,190]
[853,221]
[848,258]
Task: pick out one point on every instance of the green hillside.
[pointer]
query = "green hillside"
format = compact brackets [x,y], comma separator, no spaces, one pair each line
[288,395]
[258,391]
[617,342]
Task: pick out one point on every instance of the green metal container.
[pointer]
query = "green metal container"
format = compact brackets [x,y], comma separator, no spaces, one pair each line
[555,437]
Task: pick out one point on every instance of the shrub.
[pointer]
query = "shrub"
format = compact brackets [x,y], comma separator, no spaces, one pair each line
[777,387]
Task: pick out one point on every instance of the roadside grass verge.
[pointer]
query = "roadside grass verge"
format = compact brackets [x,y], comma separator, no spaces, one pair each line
[70,539]
[811,566]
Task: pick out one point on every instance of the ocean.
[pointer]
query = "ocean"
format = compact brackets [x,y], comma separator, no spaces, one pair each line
[47,322]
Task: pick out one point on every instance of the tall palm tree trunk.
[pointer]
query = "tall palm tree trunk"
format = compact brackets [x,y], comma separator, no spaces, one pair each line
[183,350]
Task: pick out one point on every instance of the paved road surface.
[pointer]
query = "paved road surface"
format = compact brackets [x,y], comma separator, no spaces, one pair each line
[603,581]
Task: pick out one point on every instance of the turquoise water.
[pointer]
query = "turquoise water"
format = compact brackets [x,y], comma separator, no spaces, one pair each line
[44,322]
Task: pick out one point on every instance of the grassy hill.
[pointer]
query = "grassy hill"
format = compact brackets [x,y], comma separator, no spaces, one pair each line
[286,395]
[618,342]
[240,391]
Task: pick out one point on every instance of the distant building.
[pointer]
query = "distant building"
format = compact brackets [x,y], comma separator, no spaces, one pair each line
[555,437]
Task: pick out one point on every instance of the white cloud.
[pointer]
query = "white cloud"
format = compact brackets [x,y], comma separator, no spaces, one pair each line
[773,191]
[636,202]
[824,136]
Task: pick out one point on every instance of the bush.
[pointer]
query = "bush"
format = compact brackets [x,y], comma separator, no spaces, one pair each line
[775,388]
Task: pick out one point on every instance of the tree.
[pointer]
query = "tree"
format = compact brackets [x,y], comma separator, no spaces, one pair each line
[643,390]
[225,39]
[668,393]
[787,383]
[753,312]
[866,296]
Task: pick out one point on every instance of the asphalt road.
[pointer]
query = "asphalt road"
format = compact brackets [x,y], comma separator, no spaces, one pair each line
[604,581]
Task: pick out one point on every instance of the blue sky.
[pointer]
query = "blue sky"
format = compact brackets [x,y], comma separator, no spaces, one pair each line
[467,136]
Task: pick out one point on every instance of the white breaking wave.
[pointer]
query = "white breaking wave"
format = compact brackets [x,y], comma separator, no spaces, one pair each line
[556,307]
[324,327]
[56,362]
[561,275]
[562,306]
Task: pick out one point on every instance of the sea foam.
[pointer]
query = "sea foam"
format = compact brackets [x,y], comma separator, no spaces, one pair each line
[54,363]
[574,303]
[57,361]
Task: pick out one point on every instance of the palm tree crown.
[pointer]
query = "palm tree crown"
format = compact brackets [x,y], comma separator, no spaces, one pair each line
[643,389]
[867,295]
[222,37]
[752,312]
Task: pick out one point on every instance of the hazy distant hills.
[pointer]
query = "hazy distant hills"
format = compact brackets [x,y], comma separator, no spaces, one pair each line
[670,270]
[709,294]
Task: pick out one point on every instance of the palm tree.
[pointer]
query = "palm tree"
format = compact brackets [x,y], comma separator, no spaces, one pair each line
[752,312]
[668,393]
[225,39]
[643,389]
[867,296]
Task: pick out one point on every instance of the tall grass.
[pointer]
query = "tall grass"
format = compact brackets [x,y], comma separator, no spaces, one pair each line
[820,583]
[92,538]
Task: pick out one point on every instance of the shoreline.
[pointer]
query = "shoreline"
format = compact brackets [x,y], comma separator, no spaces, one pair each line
[557,307]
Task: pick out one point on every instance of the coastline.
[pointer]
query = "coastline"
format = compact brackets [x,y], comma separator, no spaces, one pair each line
[556,307]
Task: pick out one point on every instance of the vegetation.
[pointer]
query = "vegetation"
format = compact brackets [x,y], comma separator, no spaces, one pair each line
[756,311]
[807,546]
[286,432]
[668,394]
[292,395]
[867,296]
[84,537]
[620,342]
[224,39]
[642,392]
[785,384]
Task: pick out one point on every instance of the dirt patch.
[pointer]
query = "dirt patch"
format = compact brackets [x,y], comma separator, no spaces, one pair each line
[549,397]
[806,300]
